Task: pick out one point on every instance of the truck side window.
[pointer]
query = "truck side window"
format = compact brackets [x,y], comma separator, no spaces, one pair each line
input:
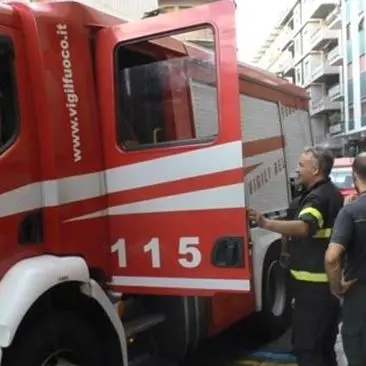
[166,91]
[8,105]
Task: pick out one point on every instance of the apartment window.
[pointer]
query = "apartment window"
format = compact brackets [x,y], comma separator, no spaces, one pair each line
[349,70]
[361,36]
[350,91]
[363,85]
[363,113]
[348,32]
[349,51]
[351,121]
[361,24]
[363,107]
[351,112]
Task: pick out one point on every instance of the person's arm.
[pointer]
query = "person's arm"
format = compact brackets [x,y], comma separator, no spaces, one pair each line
[341,237]
[285,227]
[308,222]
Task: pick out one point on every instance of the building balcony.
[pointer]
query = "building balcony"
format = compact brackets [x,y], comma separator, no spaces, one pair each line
[334,19]
[320,9]
[287,66]
[285,38]
[335,57]
[320,73]
[335,93]
[336,129]
[321,37]
[323,105]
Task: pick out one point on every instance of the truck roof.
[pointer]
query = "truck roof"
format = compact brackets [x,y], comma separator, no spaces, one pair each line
[256,74]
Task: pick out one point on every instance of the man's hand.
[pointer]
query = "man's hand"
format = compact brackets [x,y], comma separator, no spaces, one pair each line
[256,216]
[343,287]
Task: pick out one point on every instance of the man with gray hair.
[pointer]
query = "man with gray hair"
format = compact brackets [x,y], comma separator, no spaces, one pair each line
[316,310]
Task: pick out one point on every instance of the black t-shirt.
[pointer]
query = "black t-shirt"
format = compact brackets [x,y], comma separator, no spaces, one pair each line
[318,208]
[350,231]
[293,208]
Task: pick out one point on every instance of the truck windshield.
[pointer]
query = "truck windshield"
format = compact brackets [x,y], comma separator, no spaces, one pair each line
[160,85]
[342,177]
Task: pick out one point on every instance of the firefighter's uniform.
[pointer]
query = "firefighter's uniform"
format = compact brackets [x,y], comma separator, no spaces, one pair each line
[316,311]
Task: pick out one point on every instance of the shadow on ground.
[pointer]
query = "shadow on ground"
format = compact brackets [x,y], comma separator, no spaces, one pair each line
[241,346]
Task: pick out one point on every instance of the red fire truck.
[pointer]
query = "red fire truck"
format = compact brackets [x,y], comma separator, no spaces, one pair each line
[128,154]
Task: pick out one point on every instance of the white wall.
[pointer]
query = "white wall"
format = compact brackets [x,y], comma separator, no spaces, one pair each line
[307,32]
[319,128]
[126,9]
[297,17]
[316,91]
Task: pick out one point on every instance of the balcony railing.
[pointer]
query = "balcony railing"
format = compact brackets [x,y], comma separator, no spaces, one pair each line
[320,9]
[335,57]
[315,35]
[321,36]
[336,118]
[320,71]
[336,128]
[334,20]
[287,63]
[285,38]
[335,93]
[316,71]
[323,104]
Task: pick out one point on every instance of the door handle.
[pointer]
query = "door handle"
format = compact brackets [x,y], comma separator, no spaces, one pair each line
[228,252]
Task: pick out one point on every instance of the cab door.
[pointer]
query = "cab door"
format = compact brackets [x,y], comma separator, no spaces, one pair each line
[170,122]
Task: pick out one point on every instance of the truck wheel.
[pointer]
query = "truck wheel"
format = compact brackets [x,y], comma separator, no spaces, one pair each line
[61,338]
[276,312]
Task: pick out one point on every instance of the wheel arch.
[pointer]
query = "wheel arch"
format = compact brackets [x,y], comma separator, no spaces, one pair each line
[69,296]
[50,283]
[264,242]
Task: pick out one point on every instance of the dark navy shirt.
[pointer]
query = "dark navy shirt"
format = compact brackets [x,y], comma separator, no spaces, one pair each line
[350,231]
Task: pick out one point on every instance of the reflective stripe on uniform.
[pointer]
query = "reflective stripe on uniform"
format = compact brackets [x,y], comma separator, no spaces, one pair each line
[313,212]
[309,277]
[323,233]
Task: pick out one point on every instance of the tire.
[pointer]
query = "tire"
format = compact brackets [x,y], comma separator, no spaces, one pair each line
[276,315]
[41,341]
[173,336]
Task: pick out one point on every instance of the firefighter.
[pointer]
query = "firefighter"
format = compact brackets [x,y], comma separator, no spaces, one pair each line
[348,238]
[316,310]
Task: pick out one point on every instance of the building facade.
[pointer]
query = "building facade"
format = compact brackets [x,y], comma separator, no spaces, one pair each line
[306,48]
[202,37]
[125,9]
[354,125]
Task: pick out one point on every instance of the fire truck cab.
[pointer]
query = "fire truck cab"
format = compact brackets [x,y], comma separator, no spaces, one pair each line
[126,166]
